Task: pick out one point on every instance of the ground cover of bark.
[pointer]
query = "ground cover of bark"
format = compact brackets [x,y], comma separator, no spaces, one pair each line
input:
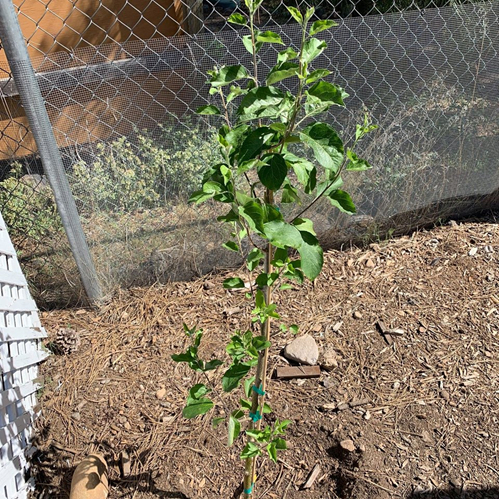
[421,407]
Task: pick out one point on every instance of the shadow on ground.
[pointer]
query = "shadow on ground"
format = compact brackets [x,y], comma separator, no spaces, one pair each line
[457,493]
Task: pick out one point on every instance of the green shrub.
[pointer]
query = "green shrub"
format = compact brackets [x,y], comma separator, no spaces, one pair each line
[28,206]
[147,172]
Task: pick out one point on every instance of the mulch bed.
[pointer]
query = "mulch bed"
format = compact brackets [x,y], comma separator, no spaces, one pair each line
[421,407]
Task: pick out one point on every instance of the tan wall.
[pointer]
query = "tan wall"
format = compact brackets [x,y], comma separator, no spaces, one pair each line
[97,111]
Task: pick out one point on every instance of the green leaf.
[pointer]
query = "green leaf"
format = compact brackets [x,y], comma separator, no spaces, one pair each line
[311,256]
[252,212]
[305,171]
[233,376]
[235,92]
[272,451]
[248,383]
[250,450]
[322,25]
[356,163]
[201,406]
[237,18]
[255,142]
[308,14]
[273,172]
[268,37]
[266,409]
[183,357]
[228,74]
[289,194]
[326,93]
[280,443]
[231,216]
[282,71]
[260,343]
[254,258]
[199,197]
[216,421]
[233,283]
[342,201]
[248,44]
[197,404]
[304,225]
[286,55]
[264,102]
[234,429]
[231,246]
[282,234]
[207,110]
[295,13]
[212,364]
[312,49]
[317,75]
[326,144]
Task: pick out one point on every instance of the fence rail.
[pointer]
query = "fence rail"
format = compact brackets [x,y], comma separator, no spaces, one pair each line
[121,86]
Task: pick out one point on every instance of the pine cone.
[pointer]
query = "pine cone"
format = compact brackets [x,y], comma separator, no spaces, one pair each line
[66,341]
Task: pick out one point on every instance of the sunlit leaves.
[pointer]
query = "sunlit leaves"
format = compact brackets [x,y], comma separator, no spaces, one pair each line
[197,403]
[237,18]
[312,49]
[264,102]
[282,71]
[227,74]
[326,145]
[321,25]
[356,163]
[208,110]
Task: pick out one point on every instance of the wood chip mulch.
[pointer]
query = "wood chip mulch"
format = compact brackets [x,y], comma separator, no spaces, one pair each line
[409,407]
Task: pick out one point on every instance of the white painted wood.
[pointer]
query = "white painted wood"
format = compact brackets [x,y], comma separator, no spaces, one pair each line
[20,353]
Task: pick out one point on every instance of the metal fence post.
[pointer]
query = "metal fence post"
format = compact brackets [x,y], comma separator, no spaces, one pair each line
[24,76]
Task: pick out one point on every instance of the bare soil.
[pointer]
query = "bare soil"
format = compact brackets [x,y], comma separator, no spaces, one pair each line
[421,407]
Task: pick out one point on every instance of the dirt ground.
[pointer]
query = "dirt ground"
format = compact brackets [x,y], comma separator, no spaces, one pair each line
[421,407]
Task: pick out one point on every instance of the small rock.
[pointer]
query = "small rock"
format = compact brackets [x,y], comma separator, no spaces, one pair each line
[328,383]
[303,350]
[343,407]
[329,360]
[367,416]
[161,393]
[348,445]
[453,223]
[357,315]
[425,435]
[328,407]
[127,426]
[209,285]
[473,251]
[370,264]
[445,395]
[76,416]
[337,326]
[362,448]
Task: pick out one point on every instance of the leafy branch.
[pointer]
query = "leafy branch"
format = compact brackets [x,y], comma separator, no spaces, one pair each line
[261,170]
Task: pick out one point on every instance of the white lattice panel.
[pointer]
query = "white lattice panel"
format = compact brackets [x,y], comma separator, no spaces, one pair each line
[20,352]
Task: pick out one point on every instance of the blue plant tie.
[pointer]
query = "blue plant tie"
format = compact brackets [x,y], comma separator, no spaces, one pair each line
[250,490]
[255,416]
[258,390]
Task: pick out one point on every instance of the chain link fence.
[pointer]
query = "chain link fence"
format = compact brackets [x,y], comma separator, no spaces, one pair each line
[121,81]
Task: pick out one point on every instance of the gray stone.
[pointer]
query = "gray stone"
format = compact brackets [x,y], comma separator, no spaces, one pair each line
[329,360]
[303,350]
